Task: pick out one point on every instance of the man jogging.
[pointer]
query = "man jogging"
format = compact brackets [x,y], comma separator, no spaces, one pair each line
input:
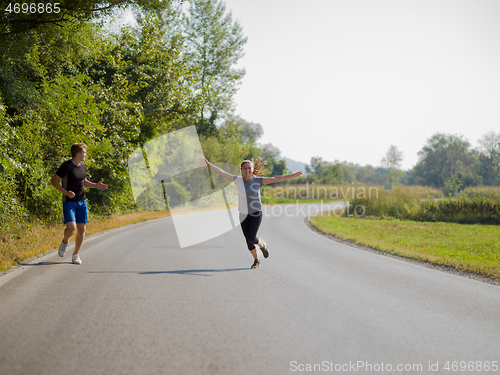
[72,173]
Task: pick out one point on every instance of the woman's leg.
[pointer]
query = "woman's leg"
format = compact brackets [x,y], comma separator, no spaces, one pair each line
[250,226]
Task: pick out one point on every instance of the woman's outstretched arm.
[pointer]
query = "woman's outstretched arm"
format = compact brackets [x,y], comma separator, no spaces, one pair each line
[217,170]
[270,180]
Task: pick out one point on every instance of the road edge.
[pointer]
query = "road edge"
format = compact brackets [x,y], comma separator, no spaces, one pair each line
[6,276]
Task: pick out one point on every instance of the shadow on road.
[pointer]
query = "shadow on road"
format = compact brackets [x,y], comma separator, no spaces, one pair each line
[42,264]
[193,272]
[197,272]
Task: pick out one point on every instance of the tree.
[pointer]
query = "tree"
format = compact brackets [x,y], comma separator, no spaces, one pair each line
[160,80]
[325,172]
[31,16]
[272,155]
[443,157]
[250,132]
[489,158]
[392,161]
[214,44]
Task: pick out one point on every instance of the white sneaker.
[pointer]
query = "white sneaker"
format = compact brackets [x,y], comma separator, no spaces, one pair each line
[76,259]
[62,248]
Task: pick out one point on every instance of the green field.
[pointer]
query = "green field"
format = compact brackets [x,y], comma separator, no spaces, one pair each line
[473,248]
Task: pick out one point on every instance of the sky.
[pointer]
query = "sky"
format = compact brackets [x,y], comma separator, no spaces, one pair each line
[345,79]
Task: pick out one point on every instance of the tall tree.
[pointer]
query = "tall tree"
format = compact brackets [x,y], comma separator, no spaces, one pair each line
[489,157]
[392,161]
[214,44]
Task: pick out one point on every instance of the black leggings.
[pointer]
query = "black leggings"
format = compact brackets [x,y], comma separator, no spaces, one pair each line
[250,225]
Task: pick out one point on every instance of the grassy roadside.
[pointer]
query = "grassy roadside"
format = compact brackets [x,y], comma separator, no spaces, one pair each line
[40,239]
[473,248]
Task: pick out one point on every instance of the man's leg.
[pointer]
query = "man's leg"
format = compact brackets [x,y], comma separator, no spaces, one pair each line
[69,230]
[80,235]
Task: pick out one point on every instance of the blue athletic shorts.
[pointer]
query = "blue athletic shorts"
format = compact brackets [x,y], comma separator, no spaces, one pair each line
[75,211]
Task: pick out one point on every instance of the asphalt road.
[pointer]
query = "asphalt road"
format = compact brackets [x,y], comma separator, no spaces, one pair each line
[140,304]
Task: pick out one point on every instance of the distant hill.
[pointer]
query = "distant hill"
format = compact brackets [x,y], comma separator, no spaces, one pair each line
[295,166]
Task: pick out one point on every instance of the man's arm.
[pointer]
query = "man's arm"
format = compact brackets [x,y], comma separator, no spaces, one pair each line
[94,185]
[56,182]
[270,180]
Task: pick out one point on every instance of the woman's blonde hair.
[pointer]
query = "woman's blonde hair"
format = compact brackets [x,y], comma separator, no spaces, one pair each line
[258,165]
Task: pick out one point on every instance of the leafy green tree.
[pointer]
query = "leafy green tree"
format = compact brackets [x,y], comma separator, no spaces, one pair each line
[325,172]
[489,158]
[33,16]
[441,158]
[272,155]
[27,59]
[348,173]
[214,44]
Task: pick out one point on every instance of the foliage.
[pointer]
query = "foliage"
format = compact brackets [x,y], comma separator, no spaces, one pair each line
[442,159]
[489,158]
[67,11]
[75,82]
[401,202]
[213,45]
[324,172]
[491,192]
[392,161]
[463,210]
[422,204]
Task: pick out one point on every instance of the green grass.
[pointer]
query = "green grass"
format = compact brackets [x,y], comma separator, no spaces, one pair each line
[474,248]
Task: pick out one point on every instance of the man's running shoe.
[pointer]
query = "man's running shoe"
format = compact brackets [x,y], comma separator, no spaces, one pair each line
[76,259]
[62,248]
[265,250]
[255,264]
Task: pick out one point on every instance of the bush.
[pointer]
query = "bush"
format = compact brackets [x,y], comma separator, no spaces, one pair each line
[480,210]
[475,205]
[400,202]
[492,192]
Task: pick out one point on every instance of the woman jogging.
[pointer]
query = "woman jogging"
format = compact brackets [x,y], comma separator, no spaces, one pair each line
[249,202]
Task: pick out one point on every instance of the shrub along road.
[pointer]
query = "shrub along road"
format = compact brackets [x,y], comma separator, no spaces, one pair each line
[140,304]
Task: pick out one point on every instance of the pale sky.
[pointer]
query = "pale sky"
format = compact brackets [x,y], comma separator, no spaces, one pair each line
[344,80]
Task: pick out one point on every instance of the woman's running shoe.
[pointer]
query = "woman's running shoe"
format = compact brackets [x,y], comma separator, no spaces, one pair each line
[265,250]
[255,264]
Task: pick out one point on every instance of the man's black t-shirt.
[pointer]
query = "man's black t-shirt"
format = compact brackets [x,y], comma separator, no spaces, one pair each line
[73,177]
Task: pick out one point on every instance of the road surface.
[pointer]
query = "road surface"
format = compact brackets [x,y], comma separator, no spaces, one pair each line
[140,304]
